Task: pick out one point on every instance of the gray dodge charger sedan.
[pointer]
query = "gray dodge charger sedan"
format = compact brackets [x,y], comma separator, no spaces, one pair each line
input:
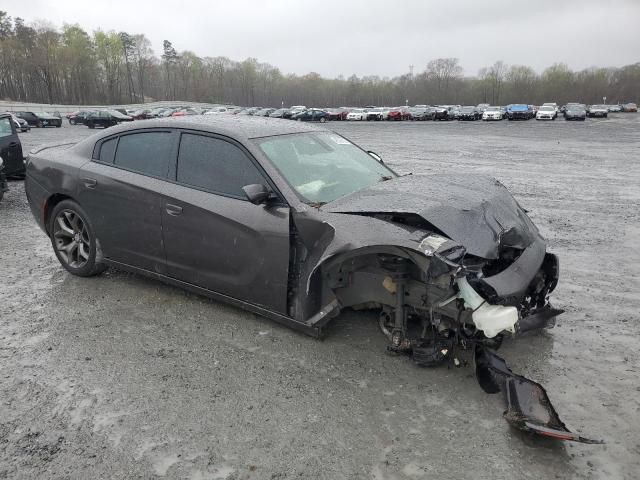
[295,223]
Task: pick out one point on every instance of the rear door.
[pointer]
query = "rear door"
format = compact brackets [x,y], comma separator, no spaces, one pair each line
[10,147]
[120,191]
[213,236]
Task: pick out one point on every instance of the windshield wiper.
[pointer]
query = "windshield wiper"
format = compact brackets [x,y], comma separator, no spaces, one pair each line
[316,204]
[385,178]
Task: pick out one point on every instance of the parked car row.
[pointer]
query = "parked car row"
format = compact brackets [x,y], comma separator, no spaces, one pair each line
[486,112]
[483,111]
[28,119]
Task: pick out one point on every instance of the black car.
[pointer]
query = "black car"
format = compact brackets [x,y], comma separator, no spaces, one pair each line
[30,117]
[79,118]
[295,223]
[106,118]
[101,118]
[10,147]
[575,111]
[440,113]
[46,119]
[469,113]
[311,115]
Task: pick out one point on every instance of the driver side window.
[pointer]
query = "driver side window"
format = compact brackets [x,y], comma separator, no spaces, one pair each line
[215,165]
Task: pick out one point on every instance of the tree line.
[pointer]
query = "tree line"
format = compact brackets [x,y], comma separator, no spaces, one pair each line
[45,64]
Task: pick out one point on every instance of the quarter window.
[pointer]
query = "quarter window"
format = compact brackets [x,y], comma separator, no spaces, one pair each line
[215,165]
[147,153]
[108,150]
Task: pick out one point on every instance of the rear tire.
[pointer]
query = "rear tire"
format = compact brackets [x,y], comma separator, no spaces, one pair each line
[73,240]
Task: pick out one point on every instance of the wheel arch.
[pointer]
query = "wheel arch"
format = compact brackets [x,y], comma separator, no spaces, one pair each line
[50,204]
[324,278]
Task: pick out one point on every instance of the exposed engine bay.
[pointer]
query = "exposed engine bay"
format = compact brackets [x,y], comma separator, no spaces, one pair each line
[455,276]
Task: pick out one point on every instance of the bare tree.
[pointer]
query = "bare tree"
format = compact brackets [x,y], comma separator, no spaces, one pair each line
[443,71]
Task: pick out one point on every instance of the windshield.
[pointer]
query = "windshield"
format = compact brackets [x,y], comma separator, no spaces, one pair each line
[322,166]
[492,109]
[547,109]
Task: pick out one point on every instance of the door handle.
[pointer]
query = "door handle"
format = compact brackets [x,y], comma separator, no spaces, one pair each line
[173,210]
[90,182]
[13,144]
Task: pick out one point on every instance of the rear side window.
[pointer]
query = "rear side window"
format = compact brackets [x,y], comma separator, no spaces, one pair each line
[108,150]
[215,165]
[147,153]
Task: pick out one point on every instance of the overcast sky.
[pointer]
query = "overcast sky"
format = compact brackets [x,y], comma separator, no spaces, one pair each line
[365,37]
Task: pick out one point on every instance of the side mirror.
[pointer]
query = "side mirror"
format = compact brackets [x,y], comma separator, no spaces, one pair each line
[257,193]
[375,155]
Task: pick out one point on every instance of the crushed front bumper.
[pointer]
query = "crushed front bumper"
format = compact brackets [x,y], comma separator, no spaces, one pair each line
[524,286]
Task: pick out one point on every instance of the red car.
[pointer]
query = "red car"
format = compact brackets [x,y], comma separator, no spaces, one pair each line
[185,111]
[399,113]
[337,113]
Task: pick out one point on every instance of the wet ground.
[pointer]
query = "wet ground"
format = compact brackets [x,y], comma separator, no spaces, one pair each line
[123,377]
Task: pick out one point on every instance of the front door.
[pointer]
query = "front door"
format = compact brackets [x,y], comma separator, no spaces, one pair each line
[10,147]
[213,236]
[119,190]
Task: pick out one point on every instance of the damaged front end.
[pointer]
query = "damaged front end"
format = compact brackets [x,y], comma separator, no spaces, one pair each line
[444,280]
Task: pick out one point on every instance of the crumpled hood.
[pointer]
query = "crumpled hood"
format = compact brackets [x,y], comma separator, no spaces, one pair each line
[474,210]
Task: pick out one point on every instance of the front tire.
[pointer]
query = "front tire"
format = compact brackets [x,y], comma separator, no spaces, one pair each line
[73,240]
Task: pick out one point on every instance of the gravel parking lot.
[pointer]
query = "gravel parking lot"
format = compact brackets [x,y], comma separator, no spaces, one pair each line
[120,376]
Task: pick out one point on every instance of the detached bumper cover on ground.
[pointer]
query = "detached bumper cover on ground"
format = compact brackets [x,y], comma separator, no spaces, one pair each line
[528,406]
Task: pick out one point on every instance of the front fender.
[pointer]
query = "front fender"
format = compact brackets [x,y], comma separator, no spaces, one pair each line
[331,238]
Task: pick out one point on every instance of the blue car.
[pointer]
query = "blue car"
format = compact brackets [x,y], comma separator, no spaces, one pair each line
[519,112]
